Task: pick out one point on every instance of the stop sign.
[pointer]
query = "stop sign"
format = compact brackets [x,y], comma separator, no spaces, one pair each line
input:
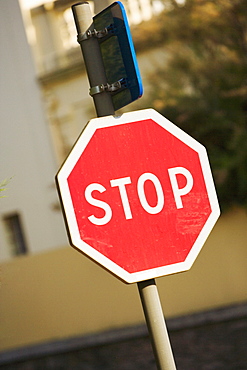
[138,195]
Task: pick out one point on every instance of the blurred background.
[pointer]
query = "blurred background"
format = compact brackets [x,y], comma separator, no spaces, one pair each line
[59,310]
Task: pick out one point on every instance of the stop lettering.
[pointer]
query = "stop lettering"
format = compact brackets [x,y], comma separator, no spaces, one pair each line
[121,184]
[138,195]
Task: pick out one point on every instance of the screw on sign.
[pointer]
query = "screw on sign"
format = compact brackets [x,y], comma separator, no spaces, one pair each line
[138,195]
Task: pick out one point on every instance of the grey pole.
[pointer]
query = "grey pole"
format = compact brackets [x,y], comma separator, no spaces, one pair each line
[92,58]
[156,325]
[104,107]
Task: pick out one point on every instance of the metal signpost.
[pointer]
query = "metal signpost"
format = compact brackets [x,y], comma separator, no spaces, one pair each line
[109,57]
[137,192]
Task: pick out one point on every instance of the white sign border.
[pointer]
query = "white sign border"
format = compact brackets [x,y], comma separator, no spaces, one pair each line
[72,159]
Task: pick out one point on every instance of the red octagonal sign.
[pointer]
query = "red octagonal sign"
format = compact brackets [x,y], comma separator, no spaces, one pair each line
[138,195]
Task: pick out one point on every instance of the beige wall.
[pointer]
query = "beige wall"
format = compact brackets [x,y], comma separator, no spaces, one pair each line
[61,293]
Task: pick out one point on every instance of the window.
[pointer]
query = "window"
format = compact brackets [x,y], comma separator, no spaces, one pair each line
[68,30]
[15,234]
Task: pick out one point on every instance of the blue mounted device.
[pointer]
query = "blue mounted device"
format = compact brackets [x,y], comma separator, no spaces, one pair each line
[118,55]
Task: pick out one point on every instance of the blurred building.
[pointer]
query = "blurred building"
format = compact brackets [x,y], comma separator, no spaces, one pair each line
[49,291]
[59,65]
[27,154]
[53,67]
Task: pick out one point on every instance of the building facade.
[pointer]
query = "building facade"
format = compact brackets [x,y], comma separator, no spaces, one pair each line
[29,219]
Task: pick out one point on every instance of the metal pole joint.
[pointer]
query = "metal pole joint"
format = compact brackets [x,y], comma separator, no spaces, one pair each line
[92,33]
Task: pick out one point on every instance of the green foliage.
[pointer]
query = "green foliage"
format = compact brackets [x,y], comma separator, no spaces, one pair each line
[203,85]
